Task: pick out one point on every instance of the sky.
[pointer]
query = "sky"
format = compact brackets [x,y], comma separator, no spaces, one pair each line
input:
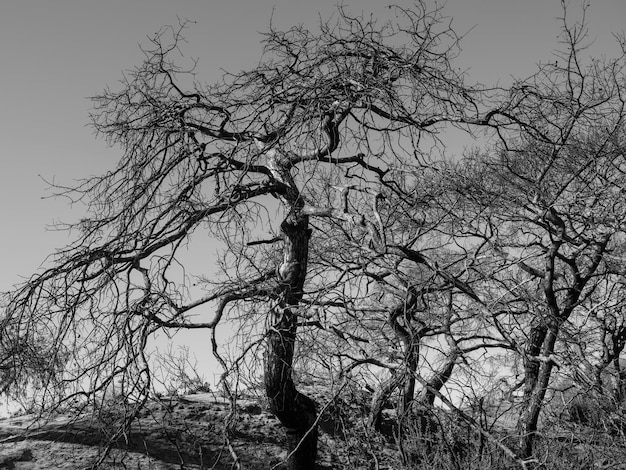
[56,54]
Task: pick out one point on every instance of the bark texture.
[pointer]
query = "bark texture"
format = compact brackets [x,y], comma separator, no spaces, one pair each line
[295,411]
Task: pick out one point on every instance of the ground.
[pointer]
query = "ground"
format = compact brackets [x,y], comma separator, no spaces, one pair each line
[187,433]
[181,432]
[177,432]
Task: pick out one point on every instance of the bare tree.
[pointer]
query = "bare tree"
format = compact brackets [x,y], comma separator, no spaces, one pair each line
[343,233]
[345,107]
[549,206]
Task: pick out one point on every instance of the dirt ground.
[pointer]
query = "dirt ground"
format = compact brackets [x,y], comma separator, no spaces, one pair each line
[189,433]
[176,433]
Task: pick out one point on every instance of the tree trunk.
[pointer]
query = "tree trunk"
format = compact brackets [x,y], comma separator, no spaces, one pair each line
[620,381]
[410,337]
[618,341]
[295,411]
[408,391]
[382,396]
[438,380]
[537,377]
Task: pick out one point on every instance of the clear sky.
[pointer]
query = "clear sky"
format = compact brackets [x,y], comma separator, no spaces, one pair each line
[55,54]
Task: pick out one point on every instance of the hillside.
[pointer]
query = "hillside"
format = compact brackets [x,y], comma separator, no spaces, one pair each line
[187,432]
[171,433]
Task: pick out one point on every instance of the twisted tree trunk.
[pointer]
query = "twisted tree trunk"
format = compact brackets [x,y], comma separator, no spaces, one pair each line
[294,410]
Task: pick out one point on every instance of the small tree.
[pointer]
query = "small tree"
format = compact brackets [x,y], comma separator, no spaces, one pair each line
[547,209]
